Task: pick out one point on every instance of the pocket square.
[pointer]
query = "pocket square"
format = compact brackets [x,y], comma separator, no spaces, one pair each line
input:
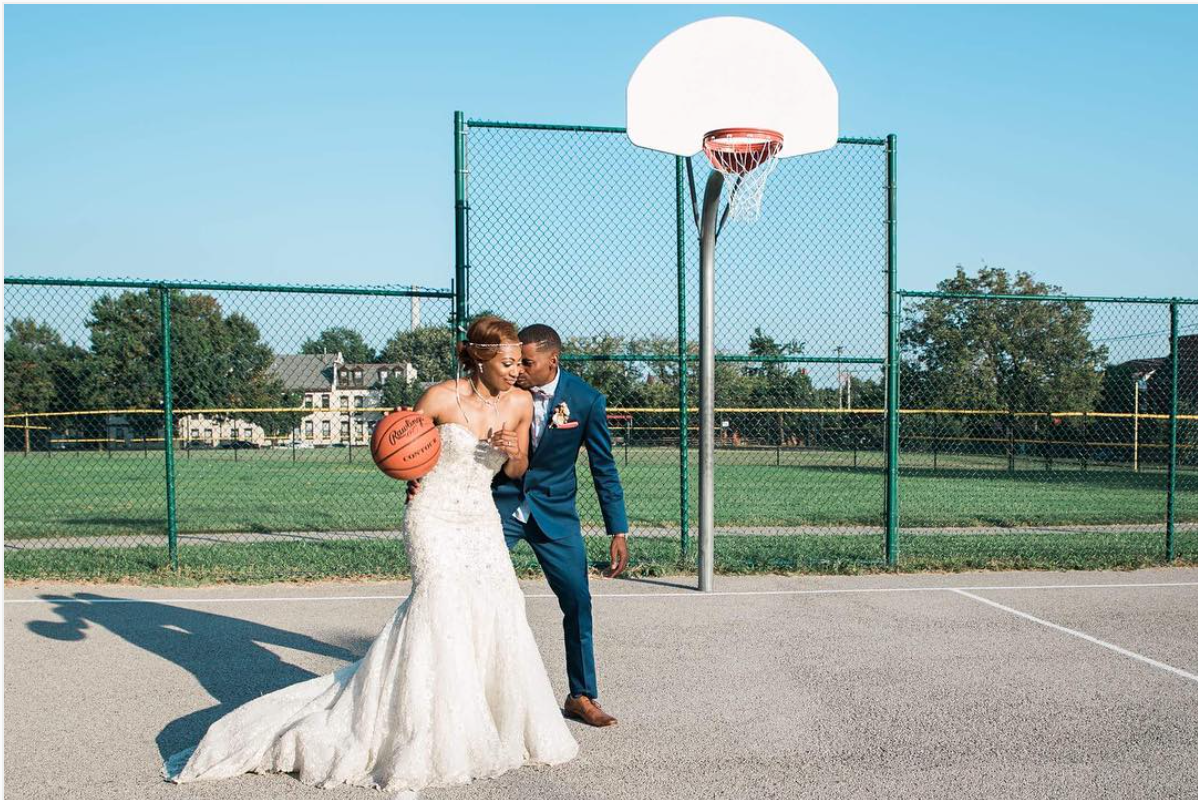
[567,425]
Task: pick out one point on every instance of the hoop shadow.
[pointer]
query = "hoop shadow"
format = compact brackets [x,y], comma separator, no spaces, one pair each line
[223,653]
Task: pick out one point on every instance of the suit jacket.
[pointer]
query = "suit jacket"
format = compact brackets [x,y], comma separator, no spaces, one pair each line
[551,484]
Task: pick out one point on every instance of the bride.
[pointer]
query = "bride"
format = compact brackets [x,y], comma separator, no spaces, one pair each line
[453,688]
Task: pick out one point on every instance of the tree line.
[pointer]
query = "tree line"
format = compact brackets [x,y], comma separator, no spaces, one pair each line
[1001,355]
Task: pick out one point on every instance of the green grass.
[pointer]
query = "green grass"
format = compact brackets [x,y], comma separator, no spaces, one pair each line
[65,495]
[386,560]
[89,494]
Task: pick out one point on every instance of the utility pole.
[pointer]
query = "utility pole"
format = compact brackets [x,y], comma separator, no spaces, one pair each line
[1141,380]
[839,380]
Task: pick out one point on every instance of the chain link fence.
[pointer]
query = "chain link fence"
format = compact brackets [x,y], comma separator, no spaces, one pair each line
[273,395]
[577,228]
[1036,429]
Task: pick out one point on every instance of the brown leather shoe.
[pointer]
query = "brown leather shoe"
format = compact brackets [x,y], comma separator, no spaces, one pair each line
[587,710]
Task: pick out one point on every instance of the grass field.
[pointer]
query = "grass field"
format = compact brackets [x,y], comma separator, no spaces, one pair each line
[91,494]
[67,495]
[385,559]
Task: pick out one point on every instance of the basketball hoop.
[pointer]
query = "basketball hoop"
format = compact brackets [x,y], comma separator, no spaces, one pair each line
[684,93]
[748,155]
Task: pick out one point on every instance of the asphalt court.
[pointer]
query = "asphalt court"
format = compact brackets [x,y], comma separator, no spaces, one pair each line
[773,686]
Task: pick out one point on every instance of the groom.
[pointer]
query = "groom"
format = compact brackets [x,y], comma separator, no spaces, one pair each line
[540,507]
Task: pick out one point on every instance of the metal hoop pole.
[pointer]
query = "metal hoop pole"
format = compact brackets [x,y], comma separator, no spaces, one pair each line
[711,207]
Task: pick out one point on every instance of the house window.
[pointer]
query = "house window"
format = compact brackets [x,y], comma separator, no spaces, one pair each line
[324,401]
[345,429]
[308,429]
[357,376]
[248,433]
[358,401]
[195,433]
[307,401]
[208,434]
[326,429]
[383,375]
[344,402]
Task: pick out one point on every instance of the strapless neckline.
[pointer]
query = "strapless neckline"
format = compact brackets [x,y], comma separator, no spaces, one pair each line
[467,430]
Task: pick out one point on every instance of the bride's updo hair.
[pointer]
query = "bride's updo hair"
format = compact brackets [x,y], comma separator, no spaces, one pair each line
[483,341]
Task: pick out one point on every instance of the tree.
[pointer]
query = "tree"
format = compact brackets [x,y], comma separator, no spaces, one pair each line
[31,355]
[44,374]
[621,381]
[217,361]
[397,392]
[277,423]
[432,352]
[1009,356]
[429,350]
[346,341]
[766,384]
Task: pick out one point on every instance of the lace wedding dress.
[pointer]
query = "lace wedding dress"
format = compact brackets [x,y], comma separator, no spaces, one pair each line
[452,689]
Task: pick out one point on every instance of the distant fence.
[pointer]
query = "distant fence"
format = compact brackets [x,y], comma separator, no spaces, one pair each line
[157,412]
[1075,420]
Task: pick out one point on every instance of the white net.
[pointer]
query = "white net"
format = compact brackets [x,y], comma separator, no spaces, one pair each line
[745,191]
[746,162]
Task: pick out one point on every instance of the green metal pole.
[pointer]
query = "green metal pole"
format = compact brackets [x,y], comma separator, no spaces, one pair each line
[190,286]
[1170,544]
[683,405]
[168,428]
[893,309]
[461,221]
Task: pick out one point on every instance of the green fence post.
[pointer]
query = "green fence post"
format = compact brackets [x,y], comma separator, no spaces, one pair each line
[893,309]
[168,428]
[1170,544]
[461,221]
[683,413]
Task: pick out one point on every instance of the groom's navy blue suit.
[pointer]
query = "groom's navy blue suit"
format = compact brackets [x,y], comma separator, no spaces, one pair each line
[552,529]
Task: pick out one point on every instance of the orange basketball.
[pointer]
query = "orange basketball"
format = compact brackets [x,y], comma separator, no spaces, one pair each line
[405,445]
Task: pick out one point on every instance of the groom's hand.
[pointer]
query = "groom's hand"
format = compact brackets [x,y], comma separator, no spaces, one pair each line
[619,555]
[413,489]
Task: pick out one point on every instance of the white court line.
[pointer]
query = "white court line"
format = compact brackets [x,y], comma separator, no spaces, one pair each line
[1087,637]
[606,595]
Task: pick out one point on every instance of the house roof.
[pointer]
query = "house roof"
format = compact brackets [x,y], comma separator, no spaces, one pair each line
[370,373]
[305,372]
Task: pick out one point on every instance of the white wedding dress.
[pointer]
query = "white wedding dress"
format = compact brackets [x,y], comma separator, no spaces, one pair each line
[452,689]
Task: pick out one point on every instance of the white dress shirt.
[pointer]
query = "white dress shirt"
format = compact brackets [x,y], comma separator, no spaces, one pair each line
[541,397]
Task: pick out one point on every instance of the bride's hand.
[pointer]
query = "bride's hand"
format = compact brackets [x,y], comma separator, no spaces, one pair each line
[506,441]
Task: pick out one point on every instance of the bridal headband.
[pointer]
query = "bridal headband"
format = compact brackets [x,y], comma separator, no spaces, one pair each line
[503,344]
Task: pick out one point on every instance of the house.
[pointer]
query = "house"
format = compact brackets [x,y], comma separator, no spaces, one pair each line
[345,398]
[345,401]
[1157,388]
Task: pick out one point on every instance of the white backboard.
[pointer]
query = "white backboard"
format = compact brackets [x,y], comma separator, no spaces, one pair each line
[731,72]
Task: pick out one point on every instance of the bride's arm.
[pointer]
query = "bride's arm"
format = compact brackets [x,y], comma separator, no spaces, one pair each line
[516,445]
[432,404]
[436,402]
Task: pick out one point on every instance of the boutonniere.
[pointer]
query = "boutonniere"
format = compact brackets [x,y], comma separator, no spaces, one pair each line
[561,417]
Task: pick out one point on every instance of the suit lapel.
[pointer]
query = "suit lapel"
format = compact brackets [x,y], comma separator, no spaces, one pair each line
[558,395]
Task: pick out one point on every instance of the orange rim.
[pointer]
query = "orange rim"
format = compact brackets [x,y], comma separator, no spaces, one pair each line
[730,156]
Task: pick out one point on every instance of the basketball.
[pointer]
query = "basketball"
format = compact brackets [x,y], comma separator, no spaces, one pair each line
[405,445]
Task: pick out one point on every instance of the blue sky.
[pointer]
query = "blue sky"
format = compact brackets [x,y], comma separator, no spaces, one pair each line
[313,143]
